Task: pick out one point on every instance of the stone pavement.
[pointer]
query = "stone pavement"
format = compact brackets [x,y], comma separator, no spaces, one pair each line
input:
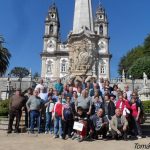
[46,142]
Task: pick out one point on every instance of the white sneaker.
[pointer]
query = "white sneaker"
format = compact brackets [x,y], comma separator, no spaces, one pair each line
[46,132]
[60,137]
[139,137]
[55,136]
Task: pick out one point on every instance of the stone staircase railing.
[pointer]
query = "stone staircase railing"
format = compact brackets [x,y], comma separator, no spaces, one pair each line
[4,124]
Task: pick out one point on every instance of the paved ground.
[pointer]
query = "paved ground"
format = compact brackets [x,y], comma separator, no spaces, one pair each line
[46,142]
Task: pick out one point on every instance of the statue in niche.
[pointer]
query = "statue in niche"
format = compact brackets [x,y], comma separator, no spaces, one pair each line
[145,78]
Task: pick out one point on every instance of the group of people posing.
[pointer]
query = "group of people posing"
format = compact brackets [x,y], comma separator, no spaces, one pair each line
[78,110]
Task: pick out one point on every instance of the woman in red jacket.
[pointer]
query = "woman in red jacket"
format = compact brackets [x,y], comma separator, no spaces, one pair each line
[123,104]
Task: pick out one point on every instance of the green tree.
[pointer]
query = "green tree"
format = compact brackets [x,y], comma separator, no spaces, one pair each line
[4,57]
[141,65]
[128,61]
[147,45]
[36,76]
[20,72]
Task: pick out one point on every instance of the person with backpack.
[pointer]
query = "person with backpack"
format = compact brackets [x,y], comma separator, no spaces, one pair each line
[67,117]
[57,116]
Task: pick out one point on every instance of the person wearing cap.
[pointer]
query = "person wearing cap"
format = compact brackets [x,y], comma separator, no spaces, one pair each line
[17,101]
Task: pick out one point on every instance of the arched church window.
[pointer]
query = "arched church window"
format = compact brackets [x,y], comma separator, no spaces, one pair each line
[63,66]
[52,15]
[101,30]
[103,69]
[51,28]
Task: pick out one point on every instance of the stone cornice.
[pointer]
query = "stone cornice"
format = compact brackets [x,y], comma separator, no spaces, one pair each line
[83,34]
[54,54]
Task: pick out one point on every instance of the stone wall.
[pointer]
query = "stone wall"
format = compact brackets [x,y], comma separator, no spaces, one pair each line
[6,87]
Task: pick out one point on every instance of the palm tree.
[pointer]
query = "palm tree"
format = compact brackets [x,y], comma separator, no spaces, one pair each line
[19,72]
[4,57]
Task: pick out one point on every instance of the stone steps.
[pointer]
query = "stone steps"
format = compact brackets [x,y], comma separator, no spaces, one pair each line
[4,122]
[146,125]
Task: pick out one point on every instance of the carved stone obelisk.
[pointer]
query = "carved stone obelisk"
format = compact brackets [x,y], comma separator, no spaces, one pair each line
[82,41]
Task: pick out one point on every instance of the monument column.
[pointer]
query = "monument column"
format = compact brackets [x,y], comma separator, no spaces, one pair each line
[82,15]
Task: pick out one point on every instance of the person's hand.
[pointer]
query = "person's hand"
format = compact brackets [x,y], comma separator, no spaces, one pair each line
[88,113]
[118,132]
[137,118]
[29,110]
[91,131]
[124,128]
[63,118]
[53,117]
[105,123]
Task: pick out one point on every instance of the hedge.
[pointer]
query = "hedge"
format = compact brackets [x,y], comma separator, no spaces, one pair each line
[4,107]
[146,105]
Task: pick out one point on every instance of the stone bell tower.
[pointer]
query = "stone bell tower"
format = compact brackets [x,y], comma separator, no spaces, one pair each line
[55,54]
[82,42]
[101,29]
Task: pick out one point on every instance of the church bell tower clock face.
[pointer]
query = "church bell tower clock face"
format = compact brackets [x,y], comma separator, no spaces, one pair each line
[50,45]
[102,46]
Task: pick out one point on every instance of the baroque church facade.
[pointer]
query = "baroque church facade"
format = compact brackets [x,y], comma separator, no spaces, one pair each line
[86,52]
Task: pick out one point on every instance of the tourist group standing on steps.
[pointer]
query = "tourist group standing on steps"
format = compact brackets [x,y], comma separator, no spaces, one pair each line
[78,110]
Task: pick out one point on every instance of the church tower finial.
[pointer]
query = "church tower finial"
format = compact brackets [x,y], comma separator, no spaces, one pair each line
[100,2]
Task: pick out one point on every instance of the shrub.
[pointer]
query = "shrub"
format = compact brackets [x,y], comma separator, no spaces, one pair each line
[146,105]
[4,107]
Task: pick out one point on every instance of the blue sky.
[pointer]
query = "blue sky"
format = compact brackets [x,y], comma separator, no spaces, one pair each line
[22,26]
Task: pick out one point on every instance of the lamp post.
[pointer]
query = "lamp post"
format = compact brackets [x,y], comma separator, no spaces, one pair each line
[132,79]
[8,86]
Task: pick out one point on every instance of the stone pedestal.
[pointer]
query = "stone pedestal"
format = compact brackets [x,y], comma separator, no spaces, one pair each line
[82,53]
[144,93]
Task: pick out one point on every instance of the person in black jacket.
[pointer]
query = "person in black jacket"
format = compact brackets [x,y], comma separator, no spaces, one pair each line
[99,124]
[109,106]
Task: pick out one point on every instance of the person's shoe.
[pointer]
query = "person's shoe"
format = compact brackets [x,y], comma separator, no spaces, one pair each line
[69,136]
[32,132]
[46,132]
[139,137]
[60,137]
[80,139]
[9,131]
[16,131]
[74,136]
[104,138]
[55,136]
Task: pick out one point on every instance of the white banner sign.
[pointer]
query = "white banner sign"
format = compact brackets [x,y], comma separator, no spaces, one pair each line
[78,126]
